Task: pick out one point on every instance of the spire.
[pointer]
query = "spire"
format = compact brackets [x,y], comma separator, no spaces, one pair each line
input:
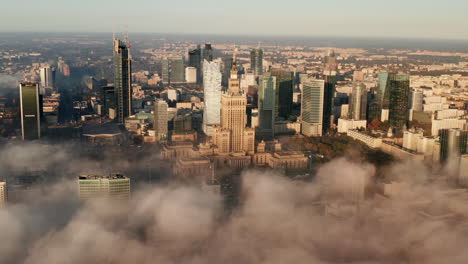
[234,63]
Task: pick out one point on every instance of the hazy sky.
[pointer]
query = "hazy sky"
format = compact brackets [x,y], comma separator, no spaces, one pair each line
[374,18]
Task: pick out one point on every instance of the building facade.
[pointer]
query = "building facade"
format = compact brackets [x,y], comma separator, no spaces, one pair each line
[122,80]
[312,107]
[115,186]
[212,94]
[30,107]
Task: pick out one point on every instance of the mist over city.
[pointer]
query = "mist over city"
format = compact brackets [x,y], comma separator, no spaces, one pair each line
[234,132]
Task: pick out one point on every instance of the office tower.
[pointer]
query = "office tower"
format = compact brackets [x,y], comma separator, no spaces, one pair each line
[284,92]
[208,52]
[114,186]
[195,57]
[329,75]
[195,60]
[160,120]
[122,79]
[358,102]
[256,61]
[398,104]
[3,193]
[312,107]
[173,70]
[416,100]
[453,143]
[108,99]
[30,103]
[232,135]
[47,75]
[212,95]
[183,121]
[191,75]
[266,106]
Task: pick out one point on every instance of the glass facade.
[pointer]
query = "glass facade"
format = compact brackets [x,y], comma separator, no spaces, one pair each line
[283,92]
[399,100]
[122,80]
[312,107]
[256,61]
[266,106]
[30,111]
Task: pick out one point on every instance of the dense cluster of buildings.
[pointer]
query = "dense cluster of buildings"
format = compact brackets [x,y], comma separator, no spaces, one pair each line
[209,111]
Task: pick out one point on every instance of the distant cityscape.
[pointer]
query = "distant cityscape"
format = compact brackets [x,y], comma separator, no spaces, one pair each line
[151,110]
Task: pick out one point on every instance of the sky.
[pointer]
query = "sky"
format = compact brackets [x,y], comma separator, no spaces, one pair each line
[340,18]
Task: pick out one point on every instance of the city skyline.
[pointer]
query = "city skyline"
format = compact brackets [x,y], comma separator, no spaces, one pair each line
[415,19]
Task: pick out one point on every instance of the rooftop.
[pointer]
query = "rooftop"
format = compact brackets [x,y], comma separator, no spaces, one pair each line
[112,176]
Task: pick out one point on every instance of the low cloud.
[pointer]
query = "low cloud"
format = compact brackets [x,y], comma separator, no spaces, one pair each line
[278,220]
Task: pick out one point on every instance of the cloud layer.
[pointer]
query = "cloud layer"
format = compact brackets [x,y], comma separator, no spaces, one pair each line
[278,220]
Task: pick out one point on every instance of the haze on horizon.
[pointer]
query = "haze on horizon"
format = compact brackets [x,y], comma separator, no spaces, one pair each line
[364,18]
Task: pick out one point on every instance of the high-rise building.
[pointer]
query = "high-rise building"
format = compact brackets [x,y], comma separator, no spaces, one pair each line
[453,143]
[122,79]
[283,92]
[312,107]
[232,135]
[208,52]
[329,75]
[256,61]
[108,99]
[160,120]
[30,104]
[47,75]
[417,100]
[114,186]
[195,60]
[3,193]
[399,93]
[173,70]
[191,75]
[358,102]
[212,95]
[195,57]
[266,106]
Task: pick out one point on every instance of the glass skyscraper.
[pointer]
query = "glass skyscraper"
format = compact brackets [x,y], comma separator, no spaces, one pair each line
[122,80]
[266,106]
[399,100]
[30,104]
[283,92]
[208,52]
[256,61]
[160,120]
[312,107]
[358,102]
[173,70]
[212,95]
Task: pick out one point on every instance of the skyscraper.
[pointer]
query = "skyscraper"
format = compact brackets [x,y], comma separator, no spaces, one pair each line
[358,103]
[283,92]
[266,106]
[47,75]
[208,52]
[160,120]
[30,101]
[312,107]
[122,79]
[232,135]
[195,57]
[115,186]
[173,70]
[329,75]
[195,60]
[453,143]
[417,100]
[108,98]
[398,104]
[212,95]
[256,61]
